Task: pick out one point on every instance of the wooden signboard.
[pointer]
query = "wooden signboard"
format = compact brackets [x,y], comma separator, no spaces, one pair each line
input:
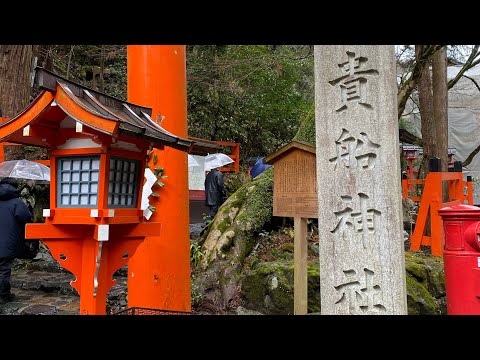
[295,180]
[295,195]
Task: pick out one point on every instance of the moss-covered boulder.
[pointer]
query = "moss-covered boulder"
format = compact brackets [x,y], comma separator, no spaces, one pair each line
[268,288]
[425,284]
[419,300]
[232,234]
[230,238]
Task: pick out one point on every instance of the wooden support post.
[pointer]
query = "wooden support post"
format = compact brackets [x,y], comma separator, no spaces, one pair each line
[300,283]
[452,189]
[431,202]
[159,274]
[458,184]
[405,188]
[469,190]
[436,229]
[420,223]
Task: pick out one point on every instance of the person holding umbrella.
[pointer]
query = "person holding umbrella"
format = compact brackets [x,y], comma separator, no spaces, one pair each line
[14,214]
[215,194]
[214,191]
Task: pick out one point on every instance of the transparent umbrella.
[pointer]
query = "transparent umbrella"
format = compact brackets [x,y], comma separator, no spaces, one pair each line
[192,162]
[216,160]
[25,169]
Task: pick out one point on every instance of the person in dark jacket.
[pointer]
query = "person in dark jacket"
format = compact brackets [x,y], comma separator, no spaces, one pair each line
[14,214]
[214,191]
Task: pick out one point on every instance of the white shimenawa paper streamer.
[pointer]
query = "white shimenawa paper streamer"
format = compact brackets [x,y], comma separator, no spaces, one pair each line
[146,192]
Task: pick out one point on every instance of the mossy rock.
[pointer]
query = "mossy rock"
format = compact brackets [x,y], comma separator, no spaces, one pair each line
[437,280]
[429,271]
[415,269]
[419,300]
[425,283]
[237,220]
[269,287]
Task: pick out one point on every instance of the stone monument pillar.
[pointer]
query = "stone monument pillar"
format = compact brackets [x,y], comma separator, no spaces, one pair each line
[362,266]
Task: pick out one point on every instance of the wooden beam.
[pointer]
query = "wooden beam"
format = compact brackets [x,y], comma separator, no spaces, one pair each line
[300,282]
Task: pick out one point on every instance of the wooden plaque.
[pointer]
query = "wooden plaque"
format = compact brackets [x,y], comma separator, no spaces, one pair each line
[295,181]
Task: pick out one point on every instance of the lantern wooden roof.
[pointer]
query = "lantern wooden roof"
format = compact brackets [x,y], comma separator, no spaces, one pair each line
[61,99]
[284,150]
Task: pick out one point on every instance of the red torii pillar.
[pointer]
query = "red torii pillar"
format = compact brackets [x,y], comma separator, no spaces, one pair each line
[159,272]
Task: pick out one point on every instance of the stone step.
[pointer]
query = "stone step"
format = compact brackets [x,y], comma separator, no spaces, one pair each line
[42,281]
[45,293]
[30,302]
[42,262]
[45,262]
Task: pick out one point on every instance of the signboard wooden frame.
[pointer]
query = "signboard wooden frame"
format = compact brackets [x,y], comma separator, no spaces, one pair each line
[295,195]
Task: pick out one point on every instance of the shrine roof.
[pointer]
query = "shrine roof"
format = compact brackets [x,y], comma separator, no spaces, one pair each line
[99,111]
[284,150]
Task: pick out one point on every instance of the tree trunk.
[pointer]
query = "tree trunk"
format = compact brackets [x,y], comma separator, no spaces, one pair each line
[15,68]
[44,56]
[426,112]
[423,54]
[440,106]
[102,69]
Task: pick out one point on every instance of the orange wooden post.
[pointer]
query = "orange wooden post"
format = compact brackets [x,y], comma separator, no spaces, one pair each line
[452,188]
[429,205]
[236,154]
[436,231]
[405,188]
[159,273]
[2,144]
[460,194]
[423,211]
[2,152]
[470,192]
[431,201]
[455,186]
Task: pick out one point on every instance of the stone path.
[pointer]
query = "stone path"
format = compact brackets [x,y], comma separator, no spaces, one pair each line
[42,287]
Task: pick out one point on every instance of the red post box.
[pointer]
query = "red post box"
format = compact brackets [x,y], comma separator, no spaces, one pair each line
[461,224]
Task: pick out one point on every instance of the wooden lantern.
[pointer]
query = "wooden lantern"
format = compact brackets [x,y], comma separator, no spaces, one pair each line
[98,149]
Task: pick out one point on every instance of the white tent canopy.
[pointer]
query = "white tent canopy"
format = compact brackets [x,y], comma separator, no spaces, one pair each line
[463,120]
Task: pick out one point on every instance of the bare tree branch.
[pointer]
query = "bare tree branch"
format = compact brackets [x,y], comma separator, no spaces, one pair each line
[471,62]
[470,157]
[473,80]
[69,60]
[412,81]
